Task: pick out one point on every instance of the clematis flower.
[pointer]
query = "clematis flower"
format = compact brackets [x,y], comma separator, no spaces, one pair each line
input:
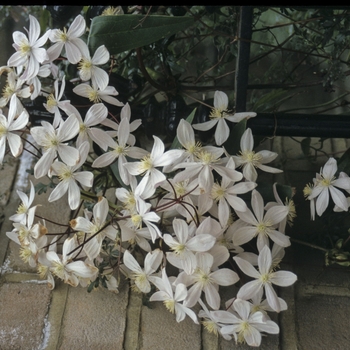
[326,184]
[88,67]
[22,211]
[225,194]
[69,177]
[69,40]
[203,279]
[147,166]
[54,104]
[261,225]
[208,160]
[171,300]
[219,115]
[289,204]
[87,130]
[29,52]
[144,215]
[184,246]
[97,95]
[244,325]
[66,269]
[14,86]
[120,150]
[8,126]
[143,276]
[250,160]
[264,278]
[53,141]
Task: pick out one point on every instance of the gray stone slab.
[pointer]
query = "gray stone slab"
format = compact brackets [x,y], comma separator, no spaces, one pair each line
[94,320]
[159,330]
[23,308]
[323,322]
[8,174]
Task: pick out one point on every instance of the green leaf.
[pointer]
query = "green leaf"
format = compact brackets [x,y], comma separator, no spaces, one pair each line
[305,146]
[233,143]
[266,190]
[344,163]
[115,171]
[269,101]
[126,32]
[176,144]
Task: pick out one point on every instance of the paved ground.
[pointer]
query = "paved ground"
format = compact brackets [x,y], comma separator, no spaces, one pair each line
[33,317]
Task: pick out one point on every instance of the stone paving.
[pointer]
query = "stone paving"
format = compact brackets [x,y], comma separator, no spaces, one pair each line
[33,317]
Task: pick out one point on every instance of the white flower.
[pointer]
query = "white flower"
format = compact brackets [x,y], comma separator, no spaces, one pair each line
[243,324]
[54,104]
[87,130]
[218,116]
[96,95]
[326,184]
[147,166]
[184,245]
[172,301]
[69,177]
[143,276]
[70,40]
[22,211]
[208,160]
[88,68]
[29,52]
[97,229]
[250,160]
[53,141]
[289,204]
[13,87]
[203,279]
[8,126]
[260,225]
[264,278]
[120,150]
[68,270]
[225,194]
[144,215]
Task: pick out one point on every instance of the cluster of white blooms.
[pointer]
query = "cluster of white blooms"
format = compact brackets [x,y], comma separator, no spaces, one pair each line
[171,207]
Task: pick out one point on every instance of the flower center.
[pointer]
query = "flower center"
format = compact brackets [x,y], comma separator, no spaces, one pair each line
[25,254]
[146,164]
[65,175]
[8,91]
[170,305]
[51,101]
[193,148]
[206,157]
[251,157]
[94,96]
[58,269]
[63,35]
[136,220]
[307,190]
[82,128]
[210,326]
[263,227]
[326,182]
[180,188]
[265,278]
[217,192]
[24,48]
[217,113]
[3,130]
[22,209]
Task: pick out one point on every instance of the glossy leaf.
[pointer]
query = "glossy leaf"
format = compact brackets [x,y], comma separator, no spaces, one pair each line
[126,32]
